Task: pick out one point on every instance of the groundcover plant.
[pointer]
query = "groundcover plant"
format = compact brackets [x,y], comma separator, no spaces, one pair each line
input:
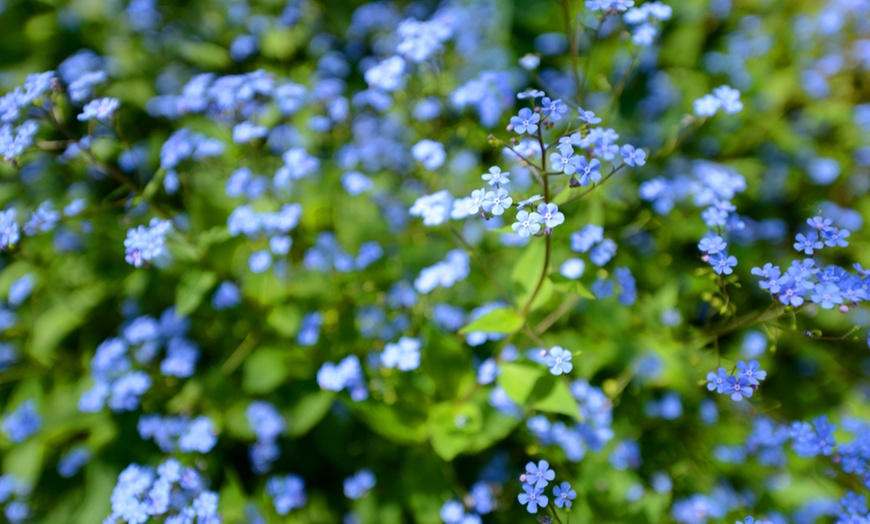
[452,262]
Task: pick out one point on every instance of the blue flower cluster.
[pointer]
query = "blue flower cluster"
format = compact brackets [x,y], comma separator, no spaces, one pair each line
[13,496]
[181,433]
[174,493]
[118,382]
[593,433]
[21,423]
[267,424]
[535,479]
[828,286]
[738,386]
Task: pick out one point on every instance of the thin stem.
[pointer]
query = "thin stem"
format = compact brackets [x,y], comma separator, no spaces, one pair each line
[683,135]
[546,268]
[481,262]
[554,317]
[621,87]
[238,356]
[591,189]
[556,515]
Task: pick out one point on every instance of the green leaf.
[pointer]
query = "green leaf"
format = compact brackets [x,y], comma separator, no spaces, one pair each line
[452,427]
[526,274]
[402,423]
[571,286]
[447,362]
[24,461]
[284,320]
[264,370]
[52,326]
[551,394]
[192,289]
[502,320]
[204,54]
[518,380]
[308,412]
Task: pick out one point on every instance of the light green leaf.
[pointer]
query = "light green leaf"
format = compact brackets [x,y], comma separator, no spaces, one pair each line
[452,427]
[551,394]
[567,285]
[502,320]
[192,289]
[264,370]
[518,380]
[308,412]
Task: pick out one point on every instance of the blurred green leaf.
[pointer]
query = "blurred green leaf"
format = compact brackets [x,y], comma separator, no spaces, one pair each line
[518,379]
[192,289]
[502,320]
[551,394]
[263,370]
[308,412]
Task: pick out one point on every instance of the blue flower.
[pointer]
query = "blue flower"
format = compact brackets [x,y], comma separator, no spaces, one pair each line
[716,380]
[564,495]
[707,105]
[404,354]
[588,116]
[99,109]
[550,215]
[559,360]
[539,475]
[632,156]
[836,237]
[737,387]
[527,224]
[287,492]
[496,201]
[359,483]
[827,295]
[808,243]
[722,263]
[21,423]
[525,121]
[495,177]
[9,230]
[588,171]
[554,109]
[566,162]
[712,245]
[532,497]
[429,153]
[751,371]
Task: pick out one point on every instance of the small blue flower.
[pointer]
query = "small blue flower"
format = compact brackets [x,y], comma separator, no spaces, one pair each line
[527,224]
[525,122]
[588,171]
[550,215]
[632,156]
[836,237]
[539,475]
[751,371]
[532,498]
[737,387]
[588,116]
[808,243]
[554,109]
[495,177]
[712,245]
[559,360]
[99,109]
[564,495]
[496,201]
[722,263]
[716,380]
